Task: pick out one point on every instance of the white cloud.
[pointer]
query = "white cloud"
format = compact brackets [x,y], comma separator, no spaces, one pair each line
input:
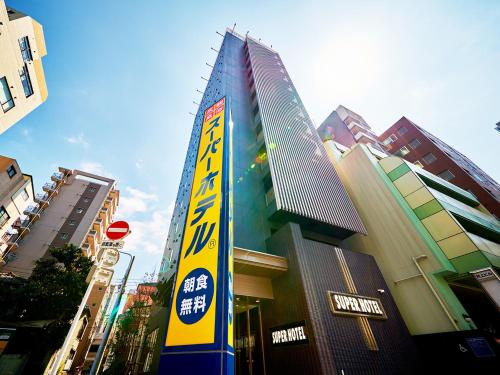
[78,140]
[148,235]
[134,200]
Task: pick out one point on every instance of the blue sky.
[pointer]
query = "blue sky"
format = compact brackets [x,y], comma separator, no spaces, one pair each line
[122,76]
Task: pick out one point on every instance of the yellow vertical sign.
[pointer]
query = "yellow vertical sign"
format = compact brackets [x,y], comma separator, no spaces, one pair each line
[193,311]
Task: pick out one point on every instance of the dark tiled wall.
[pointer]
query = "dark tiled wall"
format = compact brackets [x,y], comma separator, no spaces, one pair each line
[337,342]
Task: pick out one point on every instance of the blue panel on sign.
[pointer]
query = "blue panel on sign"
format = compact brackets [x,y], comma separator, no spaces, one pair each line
[480,347]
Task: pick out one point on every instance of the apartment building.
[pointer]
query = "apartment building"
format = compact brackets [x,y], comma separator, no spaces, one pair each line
[16,193]
[75,207]
[347,128]
[415,144]
[22,79]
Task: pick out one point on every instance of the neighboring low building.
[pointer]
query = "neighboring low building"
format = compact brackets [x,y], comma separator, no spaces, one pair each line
[16,193]
[22,80]
[418,146]
[430,239]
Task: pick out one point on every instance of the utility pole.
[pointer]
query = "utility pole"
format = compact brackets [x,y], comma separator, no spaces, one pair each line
[111,320]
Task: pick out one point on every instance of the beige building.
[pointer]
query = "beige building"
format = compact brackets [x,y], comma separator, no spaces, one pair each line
[16,193]
[22,80]
[436,245]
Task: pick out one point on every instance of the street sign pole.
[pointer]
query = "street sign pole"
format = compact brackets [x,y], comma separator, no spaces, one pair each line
[97,362]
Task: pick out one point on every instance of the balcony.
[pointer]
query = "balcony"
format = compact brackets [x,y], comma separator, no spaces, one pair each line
[21,223]
[50,187]
[12,241]
[42,199]
[58,177]
[368,138]
[86,249]
[33,211]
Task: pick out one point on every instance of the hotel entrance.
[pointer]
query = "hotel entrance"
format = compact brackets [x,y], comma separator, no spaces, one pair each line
[248,337]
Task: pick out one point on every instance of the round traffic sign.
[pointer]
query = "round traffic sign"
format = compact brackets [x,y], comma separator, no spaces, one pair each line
[117,230]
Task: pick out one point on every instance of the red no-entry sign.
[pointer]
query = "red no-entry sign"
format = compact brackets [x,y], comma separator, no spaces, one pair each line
[117,230]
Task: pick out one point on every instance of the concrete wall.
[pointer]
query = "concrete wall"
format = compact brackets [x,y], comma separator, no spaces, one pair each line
[11,62]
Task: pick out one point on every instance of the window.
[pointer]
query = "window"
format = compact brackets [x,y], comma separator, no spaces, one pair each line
[402,130]
[11,171]
[24,44]
[5,97]
[392,138]
[63,236]
[26,81]
[415,143]
[418,164]
[79,210]
[4,216]
[86,200]
[429,158]
[92,190]
[72,223]
[25,194]
[446,175]
[403,151]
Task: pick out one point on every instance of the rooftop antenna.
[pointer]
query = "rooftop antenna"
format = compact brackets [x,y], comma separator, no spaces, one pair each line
[213,49]
[219,33]
[192,114]
[234,26]
[198,104]
[209,65]
[247,33]
[201,92]
[204,78]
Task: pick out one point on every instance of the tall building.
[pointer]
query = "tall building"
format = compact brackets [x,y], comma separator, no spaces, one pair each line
[299,291]
[22,80]
[74,208]
[439,254]
[408,140]
[16,193]
[347,128]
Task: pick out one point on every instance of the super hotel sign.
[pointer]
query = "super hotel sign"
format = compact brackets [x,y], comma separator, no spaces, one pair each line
[200,323]
[355,305]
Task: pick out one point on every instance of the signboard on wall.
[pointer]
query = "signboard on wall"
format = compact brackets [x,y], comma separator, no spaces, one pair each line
[200,319]
[289,334]
[356,305]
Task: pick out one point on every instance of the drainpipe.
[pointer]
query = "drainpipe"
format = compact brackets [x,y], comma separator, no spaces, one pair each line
[431,287]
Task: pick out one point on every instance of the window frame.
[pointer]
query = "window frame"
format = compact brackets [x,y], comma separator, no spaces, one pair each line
[446,179]
[392,138]
[11,168]
[412,141]
[429,162]
[4,85]
[4,216]
[25,49]
[402,153]
[400,132]
[24,75]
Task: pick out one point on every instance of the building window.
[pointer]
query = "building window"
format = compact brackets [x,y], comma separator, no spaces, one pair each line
[92,189]
[86,200]
[79,210]
[402,130]
[25,194]
[403,151]
[26,81]
[415,143]
[72,223]
[446,175]
[418,164]
[11,171]
[429,158]
[4,216]
[5,97]
[24,44]
[392,138]
[63,236]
